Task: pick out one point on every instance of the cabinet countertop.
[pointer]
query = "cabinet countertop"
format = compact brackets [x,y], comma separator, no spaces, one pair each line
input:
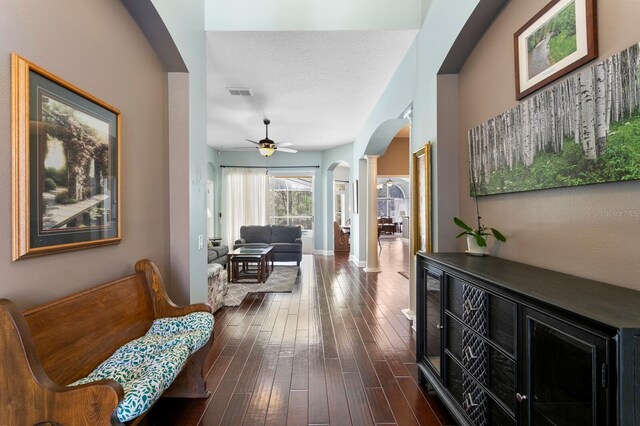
[608,304]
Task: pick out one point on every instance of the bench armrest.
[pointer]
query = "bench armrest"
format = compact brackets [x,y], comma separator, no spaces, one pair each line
[29,396]
[163,306]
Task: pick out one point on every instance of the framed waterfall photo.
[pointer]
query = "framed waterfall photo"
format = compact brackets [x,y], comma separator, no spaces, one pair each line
[559,39]
[65,165]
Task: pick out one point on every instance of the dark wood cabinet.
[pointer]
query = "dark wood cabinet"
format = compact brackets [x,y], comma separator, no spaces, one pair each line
[503,343]
[568,369]
[431,339]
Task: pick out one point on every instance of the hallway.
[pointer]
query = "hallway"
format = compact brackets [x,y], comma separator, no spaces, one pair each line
[338,351]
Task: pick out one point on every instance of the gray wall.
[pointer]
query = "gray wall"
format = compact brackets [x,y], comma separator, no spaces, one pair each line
[97,46]
[590,231]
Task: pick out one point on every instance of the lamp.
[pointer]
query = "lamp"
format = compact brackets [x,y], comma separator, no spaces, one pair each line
[266,150]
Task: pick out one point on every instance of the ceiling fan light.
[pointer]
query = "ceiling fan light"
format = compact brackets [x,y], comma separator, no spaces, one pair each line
[266,151]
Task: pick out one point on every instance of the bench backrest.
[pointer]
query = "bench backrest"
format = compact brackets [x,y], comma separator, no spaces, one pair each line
[75,334]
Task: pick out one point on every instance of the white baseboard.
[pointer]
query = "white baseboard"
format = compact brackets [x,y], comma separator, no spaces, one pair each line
[359,264]
[323,252]
[409,314]
[375,270]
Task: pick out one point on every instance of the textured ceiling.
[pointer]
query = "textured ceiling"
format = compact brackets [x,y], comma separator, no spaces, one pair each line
[316,87]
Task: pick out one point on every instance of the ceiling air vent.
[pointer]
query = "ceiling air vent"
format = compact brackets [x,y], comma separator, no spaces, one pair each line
[239,91]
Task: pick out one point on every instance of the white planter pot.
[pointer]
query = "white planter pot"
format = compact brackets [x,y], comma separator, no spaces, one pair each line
[473,248]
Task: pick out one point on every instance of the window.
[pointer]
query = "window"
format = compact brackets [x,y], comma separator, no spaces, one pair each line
[291,201]
[392,201]
[211,211]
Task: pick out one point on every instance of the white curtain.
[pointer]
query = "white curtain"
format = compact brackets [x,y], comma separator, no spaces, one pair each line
[244,195]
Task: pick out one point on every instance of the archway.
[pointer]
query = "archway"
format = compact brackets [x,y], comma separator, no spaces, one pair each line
[368,223]
[338,178]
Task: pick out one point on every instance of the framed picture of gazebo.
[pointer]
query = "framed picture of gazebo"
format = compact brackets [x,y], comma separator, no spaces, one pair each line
[65,165]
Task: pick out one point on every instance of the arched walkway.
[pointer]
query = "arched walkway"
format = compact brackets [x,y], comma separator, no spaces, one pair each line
[337,171]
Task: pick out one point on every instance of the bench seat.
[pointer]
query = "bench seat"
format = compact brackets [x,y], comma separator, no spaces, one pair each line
[146,367]
[102,355]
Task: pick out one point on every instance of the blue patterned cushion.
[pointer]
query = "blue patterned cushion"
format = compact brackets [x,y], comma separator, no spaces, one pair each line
[146,367]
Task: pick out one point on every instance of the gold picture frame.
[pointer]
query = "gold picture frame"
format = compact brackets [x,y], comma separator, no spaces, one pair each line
[65,165]
[421,214]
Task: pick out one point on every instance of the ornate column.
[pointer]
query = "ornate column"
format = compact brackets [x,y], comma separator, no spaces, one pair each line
[372,214]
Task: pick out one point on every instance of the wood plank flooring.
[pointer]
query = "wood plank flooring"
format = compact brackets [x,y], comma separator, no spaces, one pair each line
[337,350]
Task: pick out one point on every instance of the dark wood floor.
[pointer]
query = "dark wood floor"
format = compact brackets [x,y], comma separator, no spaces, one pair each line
[338,351]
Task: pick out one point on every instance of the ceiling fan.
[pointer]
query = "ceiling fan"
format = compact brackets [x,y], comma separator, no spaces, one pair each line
[267,147]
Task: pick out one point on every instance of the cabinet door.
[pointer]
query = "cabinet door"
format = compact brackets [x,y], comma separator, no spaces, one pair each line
[430,312]
[565,373]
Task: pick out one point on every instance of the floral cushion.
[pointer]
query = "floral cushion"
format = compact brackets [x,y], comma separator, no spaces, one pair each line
[146,367]
[217,286]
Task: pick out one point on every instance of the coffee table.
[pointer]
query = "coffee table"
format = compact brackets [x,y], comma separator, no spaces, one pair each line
[241,259]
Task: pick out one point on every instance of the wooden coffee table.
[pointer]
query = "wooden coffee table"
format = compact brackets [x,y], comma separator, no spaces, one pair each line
[241,260]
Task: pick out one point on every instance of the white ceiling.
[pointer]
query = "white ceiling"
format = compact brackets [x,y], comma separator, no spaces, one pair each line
[316,87]
[314,15]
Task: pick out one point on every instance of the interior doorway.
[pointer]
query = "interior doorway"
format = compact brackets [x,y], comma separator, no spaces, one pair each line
[341,208]
[394,203]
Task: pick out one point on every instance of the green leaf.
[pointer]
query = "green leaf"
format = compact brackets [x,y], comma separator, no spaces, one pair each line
[462,225]
[498,235]
[481,241]
[462,233]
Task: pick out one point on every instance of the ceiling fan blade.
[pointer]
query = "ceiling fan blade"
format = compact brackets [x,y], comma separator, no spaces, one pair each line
[293,151]
[249,140]
[283,144]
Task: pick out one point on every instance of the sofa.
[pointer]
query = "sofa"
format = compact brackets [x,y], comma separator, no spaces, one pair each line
[286,241]
[102,356]
[218,254]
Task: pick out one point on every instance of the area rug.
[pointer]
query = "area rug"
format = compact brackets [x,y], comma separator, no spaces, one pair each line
[404,274]
[282,280]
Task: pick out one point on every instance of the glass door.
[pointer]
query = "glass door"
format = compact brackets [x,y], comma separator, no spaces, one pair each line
[565,377]
[291,199]
[433,318]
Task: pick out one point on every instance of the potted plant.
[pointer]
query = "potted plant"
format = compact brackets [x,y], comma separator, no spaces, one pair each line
[477,238]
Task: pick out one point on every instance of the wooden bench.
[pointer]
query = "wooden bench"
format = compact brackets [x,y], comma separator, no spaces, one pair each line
[46,348]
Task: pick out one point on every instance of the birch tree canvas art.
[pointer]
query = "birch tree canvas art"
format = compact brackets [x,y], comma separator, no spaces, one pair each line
[583,130]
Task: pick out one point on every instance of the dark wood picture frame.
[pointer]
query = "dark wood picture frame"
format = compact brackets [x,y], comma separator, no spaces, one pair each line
[586,34]
[65,165]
